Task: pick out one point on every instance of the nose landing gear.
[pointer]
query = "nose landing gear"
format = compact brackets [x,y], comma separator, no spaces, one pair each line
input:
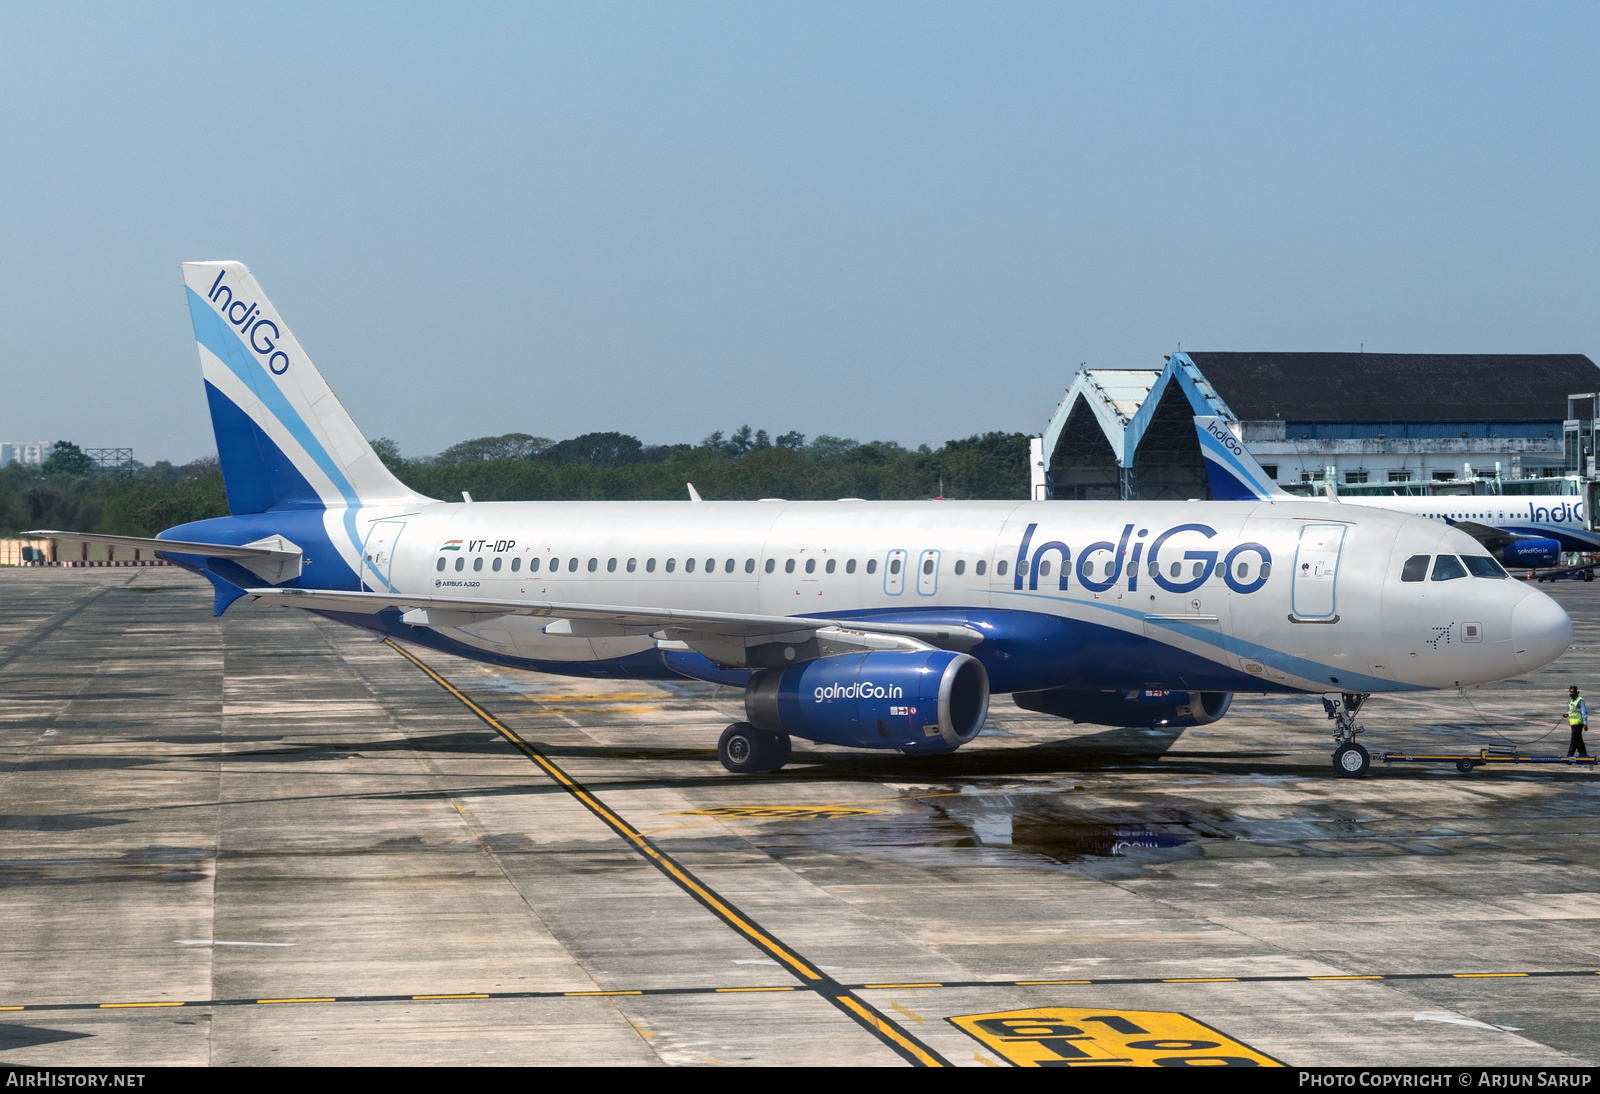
[1350,760]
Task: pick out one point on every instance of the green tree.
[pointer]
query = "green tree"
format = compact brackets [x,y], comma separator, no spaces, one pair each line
[522,467]
[507,446]
[596,450]
[387,451]
[66,458]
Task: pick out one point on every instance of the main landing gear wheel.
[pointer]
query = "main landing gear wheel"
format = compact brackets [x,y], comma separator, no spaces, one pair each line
[1351,761]
[746,750]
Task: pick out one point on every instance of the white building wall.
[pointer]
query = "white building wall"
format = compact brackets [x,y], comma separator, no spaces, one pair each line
[1420,458]
[32,453]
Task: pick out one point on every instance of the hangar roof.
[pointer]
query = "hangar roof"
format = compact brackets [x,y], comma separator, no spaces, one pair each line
[1112,395]
[1124,389]
[1390,387]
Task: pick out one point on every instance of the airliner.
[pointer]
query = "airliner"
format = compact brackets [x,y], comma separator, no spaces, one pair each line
[1521,531]
[876,625]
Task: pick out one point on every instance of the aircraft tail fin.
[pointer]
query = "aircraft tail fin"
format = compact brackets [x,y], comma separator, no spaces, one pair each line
[1234,473]
[284,439]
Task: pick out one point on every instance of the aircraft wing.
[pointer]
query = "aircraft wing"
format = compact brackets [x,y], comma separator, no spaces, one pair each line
[1491,538]
[274,558]
[728,638]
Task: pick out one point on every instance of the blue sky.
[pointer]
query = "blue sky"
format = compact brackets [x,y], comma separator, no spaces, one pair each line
[906,221]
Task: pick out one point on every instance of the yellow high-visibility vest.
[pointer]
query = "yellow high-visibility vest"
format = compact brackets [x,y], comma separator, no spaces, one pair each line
[1574,716]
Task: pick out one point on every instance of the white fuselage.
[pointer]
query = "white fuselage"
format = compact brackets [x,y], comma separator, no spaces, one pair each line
[1330,613]
[1557,516]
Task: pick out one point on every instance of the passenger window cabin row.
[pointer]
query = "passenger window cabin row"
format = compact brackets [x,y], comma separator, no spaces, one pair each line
[573,564]
[728,566]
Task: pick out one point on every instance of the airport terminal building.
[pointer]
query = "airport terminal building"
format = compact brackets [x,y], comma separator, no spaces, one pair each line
[1369,422]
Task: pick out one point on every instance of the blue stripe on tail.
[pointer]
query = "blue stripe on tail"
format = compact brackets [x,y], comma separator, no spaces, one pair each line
[1226,484]
[255,472]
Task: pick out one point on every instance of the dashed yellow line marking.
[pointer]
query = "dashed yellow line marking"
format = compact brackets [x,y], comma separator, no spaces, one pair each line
[574,994]
[119,1006]
[597,710]
[1484,975]
[1344,978]
[441,997]
[620,697]
[797,812]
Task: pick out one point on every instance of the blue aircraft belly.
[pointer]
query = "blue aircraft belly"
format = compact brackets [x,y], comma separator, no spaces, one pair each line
[1026,651]
[1021,651]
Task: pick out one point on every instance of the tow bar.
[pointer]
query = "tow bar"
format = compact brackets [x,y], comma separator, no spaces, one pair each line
[1494,754]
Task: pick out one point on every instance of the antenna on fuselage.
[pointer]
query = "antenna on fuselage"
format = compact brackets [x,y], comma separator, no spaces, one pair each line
[694,495]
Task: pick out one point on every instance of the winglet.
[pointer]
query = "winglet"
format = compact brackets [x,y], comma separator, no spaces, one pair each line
[1234,473]
[694,495]
[226,592]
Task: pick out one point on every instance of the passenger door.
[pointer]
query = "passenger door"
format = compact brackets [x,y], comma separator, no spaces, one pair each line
[1314,593]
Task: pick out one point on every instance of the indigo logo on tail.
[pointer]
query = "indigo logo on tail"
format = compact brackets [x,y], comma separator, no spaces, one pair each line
[262,334]
[1224,438]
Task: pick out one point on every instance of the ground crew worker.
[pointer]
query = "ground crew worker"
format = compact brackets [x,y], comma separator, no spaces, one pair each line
[1578,719]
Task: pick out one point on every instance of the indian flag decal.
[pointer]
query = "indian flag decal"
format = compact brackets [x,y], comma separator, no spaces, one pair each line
[451,545]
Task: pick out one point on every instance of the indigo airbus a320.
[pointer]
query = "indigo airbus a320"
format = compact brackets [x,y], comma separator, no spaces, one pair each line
[882,625]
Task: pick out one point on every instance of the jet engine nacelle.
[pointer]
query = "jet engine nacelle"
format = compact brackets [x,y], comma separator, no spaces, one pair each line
[1531,553]
[932,701]
[1129,708]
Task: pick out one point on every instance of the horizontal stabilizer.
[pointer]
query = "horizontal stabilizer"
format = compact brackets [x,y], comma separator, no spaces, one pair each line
[273,559]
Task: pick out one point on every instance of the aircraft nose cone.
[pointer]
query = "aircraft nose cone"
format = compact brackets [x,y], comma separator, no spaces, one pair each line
[1540,631]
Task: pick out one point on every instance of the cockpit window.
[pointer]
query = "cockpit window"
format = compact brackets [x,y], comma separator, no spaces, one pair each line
[1448,568]
[1483,566]
[1416,568]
